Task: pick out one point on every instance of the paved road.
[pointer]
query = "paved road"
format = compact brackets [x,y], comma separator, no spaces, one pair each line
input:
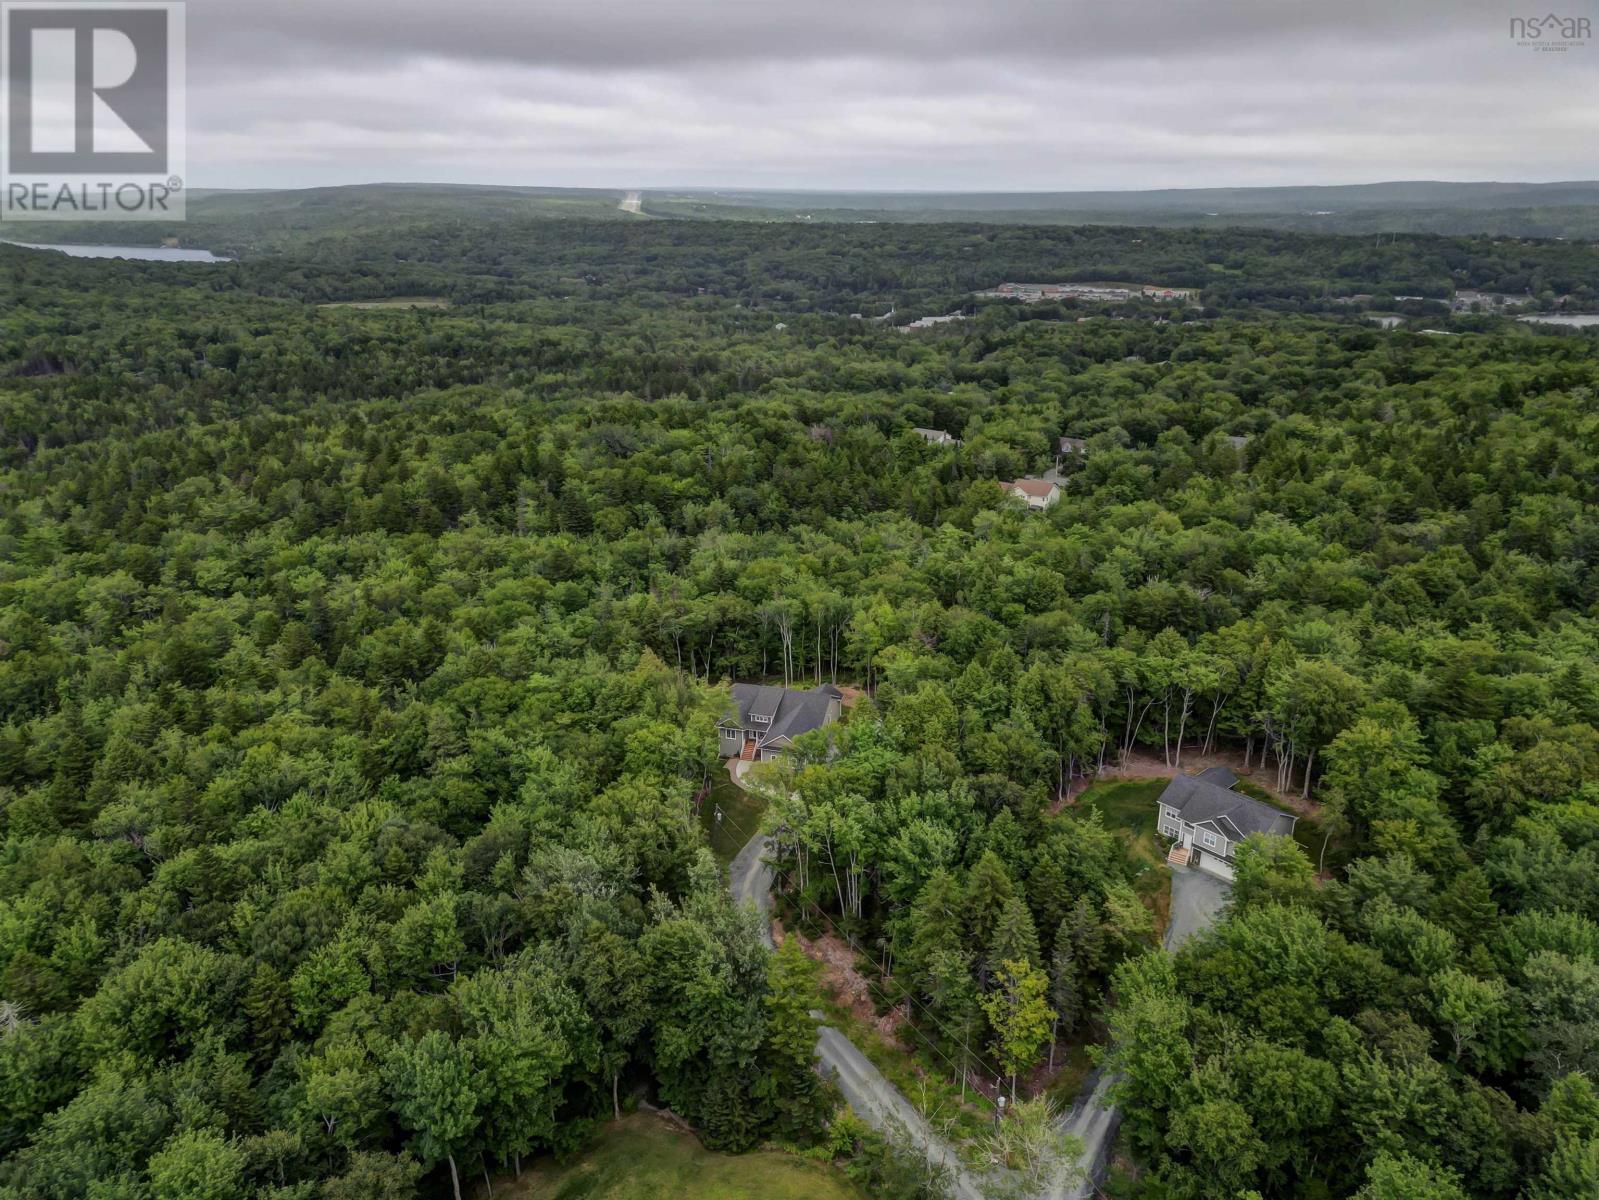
[874,1099]
[1196,901]
[633,203]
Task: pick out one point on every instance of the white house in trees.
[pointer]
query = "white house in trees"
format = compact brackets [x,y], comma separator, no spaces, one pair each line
[1036,493]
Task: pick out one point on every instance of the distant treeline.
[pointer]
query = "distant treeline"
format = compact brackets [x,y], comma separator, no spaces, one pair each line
[493,258]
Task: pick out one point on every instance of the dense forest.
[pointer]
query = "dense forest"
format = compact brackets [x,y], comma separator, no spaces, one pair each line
[495,246]
[359,673]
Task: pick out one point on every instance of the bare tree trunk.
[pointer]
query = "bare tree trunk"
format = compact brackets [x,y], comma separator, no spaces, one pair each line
[1182,725]
[1132,741]
[1215,715]
[455,1177]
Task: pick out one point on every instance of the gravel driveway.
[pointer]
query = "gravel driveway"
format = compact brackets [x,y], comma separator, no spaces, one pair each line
[1197,898]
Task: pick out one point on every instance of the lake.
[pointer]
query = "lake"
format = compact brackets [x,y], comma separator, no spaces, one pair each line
[1563,319]
[149,253]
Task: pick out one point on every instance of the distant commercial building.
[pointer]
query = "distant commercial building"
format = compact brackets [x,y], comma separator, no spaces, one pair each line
[1097,293]
[929,322]
[1466,300]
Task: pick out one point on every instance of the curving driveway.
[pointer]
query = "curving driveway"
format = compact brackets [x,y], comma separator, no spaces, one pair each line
[869,1093]
[1197,899]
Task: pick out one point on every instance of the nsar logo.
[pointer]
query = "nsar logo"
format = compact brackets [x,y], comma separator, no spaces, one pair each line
[1551,32]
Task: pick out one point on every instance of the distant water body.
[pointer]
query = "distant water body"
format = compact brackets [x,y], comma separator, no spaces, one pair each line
[1563,319]
[148,253]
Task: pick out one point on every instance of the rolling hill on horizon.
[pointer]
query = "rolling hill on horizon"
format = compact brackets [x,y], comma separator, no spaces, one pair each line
[245,221]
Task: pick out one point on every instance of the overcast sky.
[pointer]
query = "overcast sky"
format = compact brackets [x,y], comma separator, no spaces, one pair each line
[940,94]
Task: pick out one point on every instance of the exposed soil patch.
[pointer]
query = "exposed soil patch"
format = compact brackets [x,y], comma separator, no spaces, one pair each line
[848,987]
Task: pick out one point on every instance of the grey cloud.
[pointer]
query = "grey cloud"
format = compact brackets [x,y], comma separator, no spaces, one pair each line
[953,96]
[631,34]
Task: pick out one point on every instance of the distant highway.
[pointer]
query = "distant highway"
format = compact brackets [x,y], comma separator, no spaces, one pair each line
[633,202]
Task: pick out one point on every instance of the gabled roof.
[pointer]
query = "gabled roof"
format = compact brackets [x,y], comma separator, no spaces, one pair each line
[1220,776]
[1072,443]
[1032,487]
[762,702]
[1199,801]
[792,713]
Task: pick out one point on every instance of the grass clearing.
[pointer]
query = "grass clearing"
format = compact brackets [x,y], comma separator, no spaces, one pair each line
[741,818]
[1128,807]
[391,302]
[644,1157]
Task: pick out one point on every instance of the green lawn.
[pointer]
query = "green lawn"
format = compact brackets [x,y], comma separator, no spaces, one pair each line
[1128,807]
[741,817]
[642,1157]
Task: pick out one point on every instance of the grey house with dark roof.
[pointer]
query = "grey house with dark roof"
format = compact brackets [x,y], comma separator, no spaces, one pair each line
[764,721]
[1206,820]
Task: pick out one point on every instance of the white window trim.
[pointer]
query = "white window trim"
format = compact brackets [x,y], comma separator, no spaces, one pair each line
[1210,838]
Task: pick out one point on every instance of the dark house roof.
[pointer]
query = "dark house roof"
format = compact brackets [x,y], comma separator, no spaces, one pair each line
[1197,801]
[791,713]
[1220,776]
